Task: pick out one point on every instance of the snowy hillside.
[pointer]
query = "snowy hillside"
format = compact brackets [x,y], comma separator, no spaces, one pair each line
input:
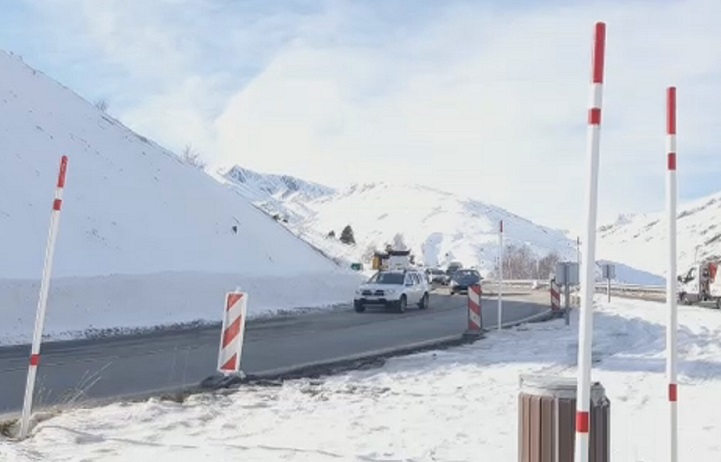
[281,187]
[130,208]
[640,240]
[437,226]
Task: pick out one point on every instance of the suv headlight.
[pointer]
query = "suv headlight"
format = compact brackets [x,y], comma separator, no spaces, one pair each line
[390,291]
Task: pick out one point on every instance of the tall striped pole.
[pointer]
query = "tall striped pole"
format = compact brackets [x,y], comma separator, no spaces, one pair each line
[585,332]
[43,300]
[500,276]
[672,324]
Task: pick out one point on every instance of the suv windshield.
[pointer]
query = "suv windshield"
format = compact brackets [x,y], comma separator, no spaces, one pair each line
[387,278]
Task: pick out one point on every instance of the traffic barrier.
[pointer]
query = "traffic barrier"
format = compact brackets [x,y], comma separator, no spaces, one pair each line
[555,298]
[232,333]
[475,321]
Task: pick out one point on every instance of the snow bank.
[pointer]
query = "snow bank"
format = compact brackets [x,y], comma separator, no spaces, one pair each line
[458,404]
[135,209]
[80,307]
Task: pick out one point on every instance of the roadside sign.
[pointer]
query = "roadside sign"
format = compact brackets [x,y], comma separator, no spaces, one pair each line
[609,271]
[567,273]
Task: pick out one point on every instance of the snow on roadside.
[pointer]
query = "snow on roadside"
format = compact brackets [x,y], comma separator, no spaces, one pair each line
[458,404]
[83,306]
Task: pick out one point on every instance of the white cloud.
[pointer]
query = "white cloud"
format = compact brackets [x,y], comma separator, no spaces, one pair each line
[482,100]
[491,104]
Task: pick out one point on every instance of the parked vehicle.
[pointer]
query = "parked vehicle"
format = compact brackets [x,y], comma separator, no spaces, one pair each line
[462,279]
[393,288]
[700,284]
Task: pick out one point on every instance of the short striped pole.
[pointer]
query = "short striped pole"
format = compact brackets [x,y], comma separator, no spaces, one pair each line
[672,324]
[588,275]
[43,300]
[555,298]
[500,275]
[232,333]
[475,321]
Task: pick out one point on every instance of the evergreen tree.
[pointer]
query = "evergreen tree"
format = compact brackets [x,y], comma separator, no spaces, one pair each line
[346,236]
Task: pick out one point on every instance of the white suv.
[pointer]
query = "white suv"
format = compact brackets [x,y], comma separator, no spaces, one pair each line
[393,288]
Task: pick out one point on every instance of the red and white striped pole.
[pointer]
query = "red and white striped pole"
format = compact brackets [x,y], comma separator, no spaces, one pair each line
[588,275]
[555,298]
[43,300]
[672,325]
[500,276]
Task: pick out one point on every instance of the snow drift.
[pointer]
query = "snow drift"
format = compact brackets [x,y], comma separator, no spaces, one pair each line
[130,208]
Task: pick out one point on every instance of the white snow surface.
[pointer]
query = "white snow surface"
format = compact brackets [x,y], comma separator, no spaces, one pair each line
[130,208]
[641,240]
[458,404]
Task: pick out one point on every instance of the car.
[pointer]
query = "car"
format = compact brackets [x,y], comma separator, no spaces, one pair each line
[396,289]
[462,279]
[437,276]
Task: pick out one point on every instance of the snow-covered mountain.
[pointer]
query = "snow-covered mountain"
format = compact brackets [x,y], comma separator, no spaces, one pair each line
[278,195]
[437,226]
[640,240]
[281,187]
[130,208]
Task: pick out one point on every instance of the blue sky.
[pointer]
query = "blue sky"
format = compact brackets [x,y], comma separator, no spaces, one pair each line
[486,99]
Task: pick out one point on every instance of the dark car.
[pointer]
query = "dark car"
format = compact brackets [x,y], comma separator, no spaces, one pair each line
[462,279]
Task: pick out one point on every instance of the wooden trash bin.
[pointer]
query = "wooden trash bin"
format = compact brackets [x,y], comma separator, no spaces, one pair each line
[547,420]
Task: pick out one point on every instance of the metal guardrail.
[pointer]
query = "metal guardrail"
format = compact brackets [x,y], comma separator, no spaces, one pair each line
[616,287]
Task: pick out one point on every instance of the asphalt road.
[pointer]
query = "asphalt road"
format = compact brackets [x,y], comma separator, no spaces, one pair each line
[99,369]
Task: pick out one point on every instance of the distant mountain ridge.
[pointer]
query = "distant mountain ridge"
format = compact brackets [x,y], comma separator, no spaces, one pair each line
[641,241]
[278,186]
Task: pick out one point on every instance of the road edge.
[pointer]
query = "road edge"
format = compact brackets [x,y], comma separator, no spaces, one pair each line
[359,361]
[367,360]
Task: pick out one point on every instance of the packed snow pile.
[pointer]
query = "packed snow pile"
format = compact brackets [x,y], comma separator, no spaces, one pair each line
[640,240]
[457,404]
[130,208]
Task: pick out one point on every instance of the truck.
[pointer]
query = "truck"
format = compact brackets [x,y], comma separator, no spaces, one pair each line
[701,284]
[392,259]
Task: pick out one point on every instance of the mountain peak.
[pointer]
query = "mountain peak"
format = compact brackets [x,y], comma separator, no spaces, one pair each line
[274,184]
